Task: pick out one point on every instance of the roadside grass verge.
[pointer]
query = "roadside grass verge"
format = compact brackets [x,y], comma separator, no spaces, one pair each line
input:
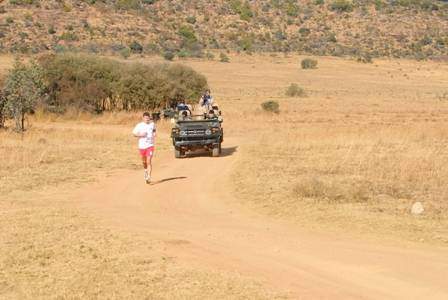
[365,179]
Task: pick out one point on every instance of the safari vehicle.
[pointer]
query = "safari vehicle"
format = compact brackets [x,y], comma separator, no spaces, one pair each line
[197,132]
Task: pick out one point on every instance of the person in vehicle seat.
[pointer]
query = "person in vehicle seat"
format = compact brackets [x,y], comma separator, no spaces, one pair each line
[211,114]
[184,115]
[183,106]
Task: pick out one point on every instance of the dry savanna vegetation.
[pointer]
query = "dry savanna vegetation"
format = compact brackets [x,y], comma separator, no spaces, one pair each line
[352,151]
[362,29]
[50,249]
[365,144]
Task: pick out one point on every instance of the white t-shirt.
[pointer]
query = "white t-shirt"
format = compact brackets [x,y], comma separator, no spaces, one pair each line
[148,140]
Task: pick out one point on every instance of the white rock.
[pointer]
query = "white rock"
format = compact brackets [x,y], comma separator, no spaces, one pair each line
[417,208]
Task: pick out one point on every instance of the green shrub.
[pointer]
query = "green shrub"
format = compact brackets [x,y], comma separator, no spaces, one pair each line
[209,55]
[152,48]
[28,17]
[127,4]
[23,35]
[379,4]
[191,19]
[125,52]
[90,83]
[309,63]
[85,24]
[69,36]
[292,9]
[21,2]
[168,55]
[152,86]
[426,40]
[81,82]
[136,47]
[224,58]
[59,49]
[303,31]
[9,20]
[183,53]
[341,5]
[331,37]
[23,88]
[243,9]
[294,90]
[365,58]
[246,43]
[271,106]
[187,33]
[67,7]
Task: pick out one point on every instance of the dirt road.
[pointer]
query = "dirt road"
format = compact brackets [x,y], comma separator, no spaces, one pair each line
[189,208]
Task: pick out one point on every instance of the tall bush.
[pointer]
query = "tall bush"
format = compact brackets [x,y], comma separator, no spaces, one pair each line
[90,83]
[22,89]
[82,82]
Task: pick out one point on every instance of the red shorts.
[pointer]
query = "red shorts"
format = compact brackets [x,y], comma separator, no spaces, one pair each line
[148,152]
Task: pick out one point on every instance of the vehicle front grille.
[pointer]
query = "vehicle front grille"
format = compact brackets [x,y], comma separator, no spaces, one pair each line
[195,132]
[192,138]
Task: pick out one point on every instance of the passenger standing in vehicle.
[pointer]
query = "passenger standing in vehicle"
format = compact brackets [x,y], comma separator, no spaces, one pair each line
[206,101]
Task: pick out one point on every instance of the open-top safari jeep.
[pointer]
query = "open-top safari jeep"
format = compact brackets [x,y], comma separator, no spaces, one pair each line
[194,132]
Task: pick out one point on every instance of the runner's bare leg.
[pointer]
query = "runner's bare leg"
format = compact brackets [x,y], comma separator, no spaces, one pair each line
[145,164]
[149,164]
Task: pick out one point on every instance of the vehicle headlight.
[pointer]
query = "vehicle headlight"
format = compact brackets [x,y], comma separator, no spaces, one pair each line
[208,132]
[175,131]
[215,129]
[183,132]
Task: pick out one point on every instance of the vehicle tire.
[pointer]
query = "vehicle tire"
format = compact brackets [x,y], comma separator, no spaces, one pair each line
[177,153]
[220,149]
[216,150]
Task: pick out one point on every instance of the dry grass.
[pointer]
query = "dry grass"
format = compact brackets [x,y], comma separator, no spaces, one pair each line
[70,148]
[366,180]
[49,249]
[368,142]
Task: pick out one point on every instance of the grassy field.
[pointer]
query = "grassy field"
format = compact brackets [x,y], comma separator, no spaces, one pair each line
[367,142]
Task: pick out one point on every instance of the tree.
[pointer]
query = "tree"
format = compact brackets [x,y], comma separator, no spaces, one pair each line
[22,89]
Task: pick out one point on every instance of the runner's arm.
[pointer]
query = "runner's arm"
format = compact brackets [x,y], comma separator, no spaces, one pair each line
[138,134]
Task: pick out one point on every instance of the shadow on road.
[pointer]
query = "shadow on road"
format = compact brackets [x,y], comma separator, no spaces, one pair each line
[168,179]
[228,151]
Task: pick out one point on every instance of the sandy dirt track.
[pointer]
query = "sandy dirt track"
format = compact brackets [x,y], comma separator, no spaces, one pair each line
[189,208]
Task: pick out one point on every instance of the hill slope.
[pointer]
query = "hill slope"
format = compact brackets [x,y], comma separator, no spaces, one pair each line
[364,28]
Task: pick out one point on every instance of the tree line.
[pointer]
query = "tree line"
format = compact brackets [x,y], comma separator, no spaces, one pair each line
[90,83]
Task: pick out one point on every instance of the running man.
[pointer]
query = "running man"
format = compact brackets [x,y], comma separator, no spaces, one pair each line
[145,131]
